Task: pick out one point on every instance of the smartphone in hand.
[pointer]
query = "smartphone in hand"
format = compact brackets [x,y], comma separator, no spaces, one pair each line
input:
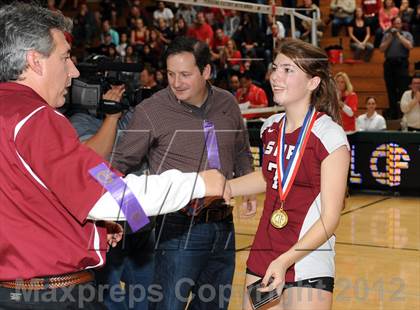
[258,299]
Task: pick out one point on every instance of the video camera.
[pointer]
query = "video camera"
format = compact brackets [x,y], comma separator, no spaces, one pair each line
[97,75]
[394,31]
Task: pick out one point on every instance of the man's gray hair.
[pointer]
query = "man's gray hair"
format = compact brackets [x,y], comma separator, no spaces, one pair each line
[25,27]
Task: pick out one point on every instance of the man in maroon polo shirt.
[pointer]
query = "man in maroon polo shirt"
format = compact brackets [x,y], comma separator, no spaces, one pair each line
[53,201]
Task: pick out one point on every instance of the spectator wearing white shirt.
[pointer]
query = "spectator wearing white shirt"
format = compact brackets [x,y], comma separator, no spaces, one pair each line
[410,104]
[163,12]
[371,120]
[187,12]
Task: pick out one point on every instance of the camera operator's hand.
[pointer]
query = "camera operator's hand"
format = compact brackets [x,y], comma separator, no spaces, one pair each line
[403,40]
[114,94]
[103,141]
[393,31]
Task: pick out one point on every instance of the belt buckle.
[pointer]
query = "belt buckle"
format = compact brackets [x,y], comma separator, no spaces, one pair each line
[206,219]
[38,282]
[220,213]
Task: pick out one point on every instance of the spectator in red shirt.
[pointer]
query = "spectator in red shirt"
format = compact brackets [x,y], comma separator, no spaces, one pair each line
[250,94]
[220,40]
[371,10]
[348,101]
[230,58]
[214,16]
[201,30]
[386,14]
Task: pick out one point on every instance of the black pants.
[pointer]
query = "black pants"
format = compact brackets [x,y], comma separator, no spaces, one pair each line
[396,80]
[82,296]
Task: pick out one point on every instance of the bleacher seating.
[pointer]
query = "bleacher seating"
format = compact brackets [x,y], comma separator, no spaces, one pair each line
[367,78]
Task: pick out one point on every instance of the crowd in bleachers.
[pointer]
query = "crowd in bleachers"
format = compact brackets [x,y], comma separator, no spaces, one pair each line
[241,42]
[235,38]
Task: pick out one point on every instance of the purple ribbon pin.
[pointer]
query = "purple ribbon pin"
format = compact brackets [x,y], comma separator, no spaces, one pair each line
[213,161]
[211,145]
[129,205]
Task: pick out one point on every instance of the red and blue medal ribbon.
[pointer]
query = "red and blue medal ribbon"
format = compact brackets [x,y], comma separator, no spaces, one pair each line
[287,176]
[129,205]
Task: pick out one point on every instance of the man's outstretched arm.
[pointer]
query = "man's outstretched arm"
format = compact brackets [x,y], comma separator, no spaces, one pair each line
[164,193]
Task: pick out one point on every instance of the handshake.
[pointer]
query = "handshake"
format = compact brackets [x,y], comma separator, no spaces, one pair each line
[216,184]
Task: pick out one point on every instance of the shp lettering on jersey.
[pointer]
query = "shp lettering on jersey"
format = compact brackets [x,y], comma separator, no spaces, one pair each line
[272,149]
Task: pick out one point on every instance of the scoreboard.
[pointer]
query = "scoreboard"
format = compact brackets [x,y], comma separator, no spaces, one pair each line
[386,161]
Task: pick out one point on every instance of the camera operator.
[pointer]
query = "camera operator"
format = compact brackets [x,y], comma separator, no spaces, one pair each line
[131,261]
[396,45]
[148,79]
[99,134]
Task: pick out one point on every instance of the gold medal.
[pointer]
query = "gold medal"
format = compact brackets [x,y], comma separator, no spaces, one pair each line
[287,175]
[279,218]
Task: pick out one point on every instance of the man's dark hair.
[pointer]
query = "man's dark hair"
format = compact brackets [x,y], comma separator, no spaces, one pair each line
[246,75]
[199,49]
[150,69]
[394,18]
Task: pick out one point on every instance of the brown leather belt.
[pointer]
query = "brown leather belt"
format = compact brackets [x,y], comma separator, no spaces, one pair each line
[35,284]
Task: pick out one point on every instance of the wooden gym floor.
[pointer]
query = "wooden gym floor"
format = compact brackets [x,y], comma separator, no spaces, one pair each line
[377,253]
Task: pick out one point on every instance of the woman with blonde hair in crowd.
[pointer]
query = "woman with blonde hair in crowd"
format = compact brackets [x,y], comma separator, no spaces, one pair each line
[230,57]
[348,101]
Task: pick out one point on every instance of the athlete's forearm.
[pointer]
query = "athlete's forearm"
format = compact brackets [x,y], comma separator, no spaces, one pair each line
[250,184]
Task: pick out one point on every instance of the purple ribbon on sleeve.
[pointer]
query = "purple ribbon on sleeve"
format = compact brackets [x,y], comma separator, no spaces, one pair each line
[129,205]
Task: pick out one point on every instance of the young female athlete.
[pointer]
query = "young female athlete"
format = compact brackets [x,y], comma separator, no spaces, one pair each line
[304,174]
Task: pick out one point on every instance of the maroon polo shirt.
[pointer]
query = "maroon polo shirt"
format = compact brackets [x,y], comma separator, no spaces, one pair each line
[46,191]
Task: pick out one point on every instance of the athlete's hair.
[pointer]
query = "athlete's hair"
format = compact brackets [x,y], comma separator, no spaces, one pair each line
[25,27]
[314,62]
